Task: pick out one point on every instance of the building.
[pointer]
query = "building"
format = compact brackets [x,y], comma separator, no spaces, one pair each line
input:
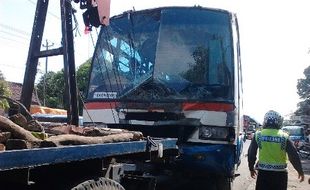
[16,89]
[249,122]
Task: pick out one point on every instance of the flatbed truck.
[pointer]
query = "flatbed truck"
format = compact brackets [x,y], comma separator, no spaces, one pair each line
[66,167]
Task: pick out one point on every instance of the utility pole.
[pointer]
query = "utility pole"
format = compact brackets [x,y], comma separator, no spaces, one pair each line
[46,45]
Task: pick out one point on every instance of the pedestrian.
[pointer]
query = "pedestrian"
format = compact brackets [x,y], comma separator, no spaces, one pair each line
[273,147]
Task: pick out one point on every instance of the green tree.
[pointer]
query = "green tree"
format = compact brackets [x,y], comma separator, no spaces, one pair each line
[54,89]
[55,86]
[197,70]
[303,90]
[82,76]
[4,91]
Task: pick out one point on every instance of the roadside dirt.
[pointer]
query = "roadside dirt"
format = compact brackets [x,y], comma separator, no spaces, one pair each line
[245,182]
[293,182]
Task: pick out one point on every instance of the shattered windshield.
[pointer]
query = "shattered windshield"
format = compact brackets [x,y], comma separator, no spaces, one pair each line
[167,54]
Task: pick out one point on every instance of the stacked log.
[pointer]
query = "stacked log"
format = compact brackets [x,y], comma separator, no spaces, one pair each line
[70,139]
[4,136]
[18,132]
[32,125]
[22,134]
[2,147]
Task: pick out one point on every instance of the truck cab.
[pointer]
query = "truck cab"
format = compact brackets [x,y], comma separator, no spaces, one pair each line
[296,134]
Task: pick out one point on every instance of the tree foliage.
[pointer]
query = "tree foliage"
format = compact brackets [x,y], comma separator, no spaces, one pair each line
[303,90]
[55,86]
[54,89]
[82,76]
[197,70]
[4,91]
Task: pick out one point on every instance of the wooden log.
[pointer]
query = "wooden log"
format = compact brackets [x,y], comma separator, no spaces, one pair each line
[32,125]
[19,119]
[4,136]
[83,131]
[17,144]
[70,139]
[21,107]
[2,147]
[96,131]
[16,131]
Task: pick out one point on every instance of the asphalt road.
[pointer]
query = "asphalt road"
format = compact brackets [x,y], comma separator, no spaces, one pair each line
[245,182]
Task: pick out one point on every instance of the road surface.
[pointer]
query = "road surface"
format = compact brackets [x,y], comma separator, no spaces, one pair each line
[245,182]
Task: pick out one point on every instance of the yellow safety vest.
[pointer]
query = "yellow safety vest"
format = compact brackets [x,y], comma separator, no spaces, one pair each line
[272,149]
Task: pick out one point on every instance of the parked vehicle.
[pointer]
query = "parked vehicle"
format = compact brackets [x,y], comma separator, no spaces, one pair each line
[304,150]
[296,134]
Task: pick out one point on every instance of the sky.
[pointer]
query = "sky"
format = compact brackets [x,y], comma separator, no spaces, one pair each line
[274,35]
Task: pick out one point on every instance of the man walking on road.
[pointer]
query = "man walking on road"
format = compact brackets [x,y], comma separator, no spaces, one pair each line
[274,146]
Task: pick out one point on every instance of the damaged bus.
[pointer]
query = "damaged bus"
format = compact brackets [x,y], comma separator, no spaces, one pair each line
[173,72]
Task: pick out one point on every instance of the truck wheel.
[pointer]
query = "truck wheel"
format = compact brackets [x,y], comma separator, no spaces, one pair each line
[100,184]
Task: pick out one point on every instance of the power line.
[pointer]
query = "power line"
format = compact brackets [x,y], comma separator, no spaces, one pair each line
[14,67]
[15,35]
[16,41]
[14,29]
[48,12]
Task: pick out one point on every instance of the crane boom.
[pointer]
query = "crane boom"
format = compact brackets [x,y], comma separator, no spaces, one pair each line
[67,50]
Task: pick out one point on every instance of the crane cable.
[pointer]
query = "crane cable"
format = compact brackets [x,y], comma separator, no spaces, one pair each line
[96,57]
[117,75]
[99,44]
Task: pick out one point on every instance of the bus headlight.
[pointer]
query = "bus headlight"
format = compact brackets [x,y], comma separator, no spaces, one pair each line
[214,133]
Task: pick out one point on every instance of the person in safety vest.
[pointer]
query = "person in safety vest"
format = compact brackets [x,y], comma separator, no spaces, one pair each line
[274,147]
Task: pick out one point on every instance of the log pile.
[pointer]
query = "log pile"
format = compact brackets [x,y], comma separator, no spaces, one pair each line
[17,132]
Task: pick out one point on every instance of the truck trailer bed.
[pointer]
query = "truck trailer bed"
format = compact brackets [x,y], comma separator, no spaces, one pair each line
[18,159]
